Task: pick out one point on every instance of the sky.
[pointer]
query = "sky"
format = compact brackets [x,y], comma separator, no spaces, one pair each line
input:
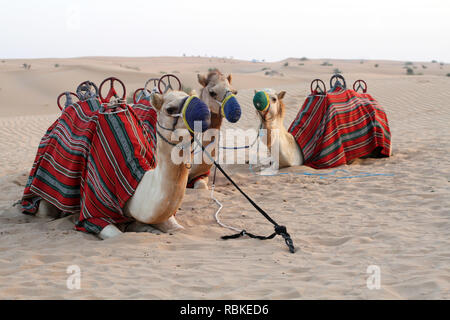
[270,30]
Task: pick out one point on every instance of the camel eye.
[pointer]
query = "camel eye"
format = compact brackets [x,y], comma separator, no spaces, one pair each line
[172,110]
[274,99]
[213,94]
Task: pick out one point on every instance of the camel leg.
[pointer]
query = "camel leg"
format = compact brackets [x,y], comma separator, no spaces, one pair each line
[170,225]
[142,227]
[47,210]
[109,232]
[201,183]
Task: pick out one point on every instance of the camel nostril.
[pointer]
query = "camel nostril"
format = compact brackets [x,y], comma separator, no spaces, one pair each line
[213,94]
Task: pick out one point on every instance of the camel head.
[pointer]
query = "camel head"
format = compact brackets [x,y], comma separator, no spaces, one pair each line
[219,95]
[269,105]
[178,110]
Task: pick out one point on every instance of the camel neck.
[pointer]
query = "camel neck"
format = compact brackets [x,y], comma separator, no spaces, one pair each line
[290,153]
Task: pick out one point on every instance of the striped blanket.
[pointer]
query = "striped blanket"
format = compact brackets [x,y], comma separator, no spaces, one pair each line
[343,125]
[90,161]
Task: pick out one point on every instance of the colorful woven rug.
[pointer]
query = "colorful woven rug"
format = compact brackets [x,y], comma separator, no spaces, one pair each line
[90,161]
[343,125]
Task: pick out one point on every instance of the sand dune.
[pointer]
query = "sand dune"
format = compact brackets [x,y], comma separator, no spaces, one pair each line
[398,220]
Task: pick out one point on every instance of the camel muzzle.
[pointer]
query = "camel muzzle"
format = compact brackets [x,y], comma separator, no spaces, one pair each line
[195,110]
[231,109]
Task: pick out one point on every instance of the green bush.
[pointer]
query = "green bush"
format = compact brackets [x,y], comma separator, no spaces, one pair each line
[187,90]
[337,71]
[304,59]
[57,65]
[377,65]
[286,64]
[409,71]
[448,74]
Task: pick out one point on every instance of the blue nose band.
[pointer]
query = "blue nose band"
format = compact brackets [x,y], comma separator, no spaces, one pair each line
[195,110]
[231,109]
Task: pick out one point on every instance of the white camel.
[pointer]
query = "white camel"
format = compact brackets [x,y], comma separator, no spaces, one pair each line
[215,86]
[290,153]
[161,191]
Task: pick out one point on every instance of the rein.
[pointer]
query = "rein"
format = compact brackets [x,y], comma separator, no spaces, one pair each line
[279,230]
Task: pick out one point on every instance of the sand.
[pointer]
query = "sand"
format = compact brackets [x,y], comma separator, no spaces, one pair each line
[398,220]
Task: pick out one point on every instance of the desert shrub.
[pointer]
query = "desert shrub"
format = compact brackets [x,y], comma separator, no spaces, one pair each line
[433,61]
[56,65]
[187,90]
[409,71]
[377,65]
[424,66]
[448,74]
[176,71]
[264,69]
[286,64]
[326,64]
[301,64]
[408,63]
[304,59]
[337,71]
[163,72]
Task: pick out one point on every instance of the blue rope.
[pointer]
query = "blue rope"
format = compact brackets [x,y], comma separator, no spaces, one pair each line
[328,175]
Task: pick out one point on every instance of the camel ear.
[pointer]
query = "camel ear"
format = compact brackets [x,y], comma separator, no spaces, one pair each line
[230,79]
[157,101]
[255,91]
[281,95]
[202,80]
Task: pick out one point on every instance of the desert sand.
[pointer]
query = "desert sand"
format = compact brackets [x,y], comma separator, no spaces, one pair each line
[396,218]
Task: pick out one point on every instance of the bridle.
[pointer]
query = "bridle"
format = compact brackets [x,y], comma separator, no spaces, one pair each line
[228,95]
[177,116]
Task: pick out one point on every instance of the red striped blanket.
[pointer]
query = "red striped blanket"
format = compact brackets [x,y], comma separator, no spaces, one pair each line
[90,161]
[342,125]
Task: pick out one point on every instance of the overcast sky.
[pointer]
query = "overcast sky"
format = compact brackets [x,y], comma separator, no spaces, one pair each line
[271,30]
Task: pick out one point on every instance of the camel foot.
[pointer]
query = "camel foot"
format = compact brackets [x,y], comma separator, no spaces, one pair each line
[141,227]
[201,184]
[169,226]
[47,210]
[109,232]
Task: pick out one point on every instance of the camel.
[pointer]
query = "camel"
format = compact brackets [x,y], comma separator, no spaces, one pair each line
[161,190]
[215,87]
[272,119]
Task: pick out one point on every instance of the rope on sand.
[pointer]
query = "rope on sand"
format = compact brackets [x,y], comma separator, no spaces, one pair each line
[327,175]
